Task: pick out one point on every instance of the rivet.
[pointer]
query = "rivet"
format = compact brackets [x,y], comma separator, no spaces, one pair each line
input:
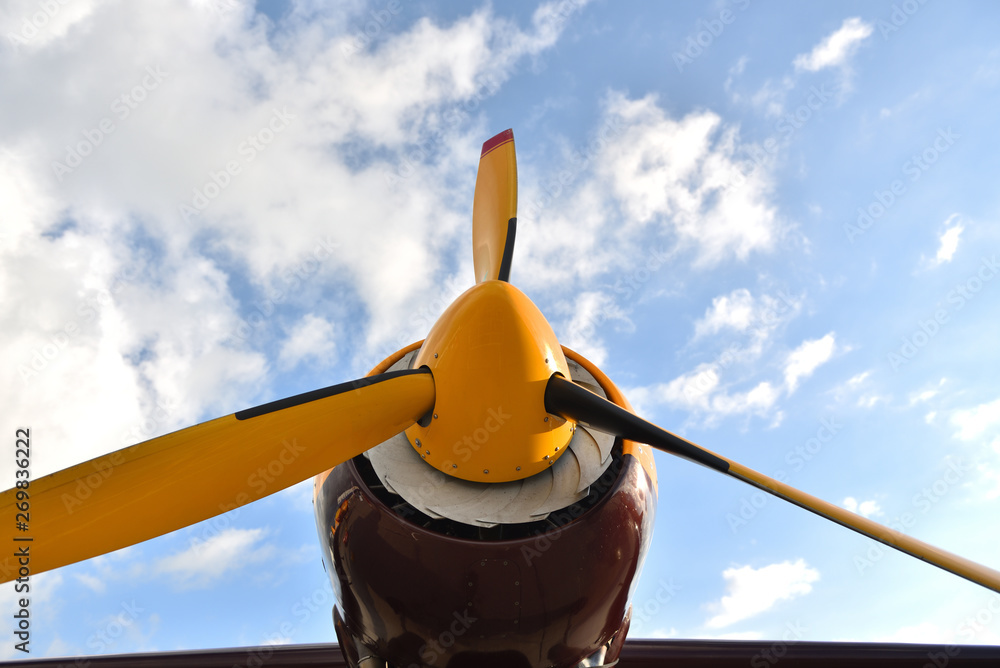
[546,360]
[518,468]
[517,603]
[423,456]
[505,563]
[486,470]
[429,452]
[470,584]
[454,466]
[557,449]
[417,441]
[546,456]
[435,355]
[517,583]
[435,416]
[545,419]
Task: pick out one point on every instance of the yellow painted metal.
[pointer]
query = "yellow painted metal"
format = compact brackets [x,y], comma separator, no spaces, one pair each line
[492,353]
[190,475]
[381,367]
[494,204]
[952,563]
[641,451]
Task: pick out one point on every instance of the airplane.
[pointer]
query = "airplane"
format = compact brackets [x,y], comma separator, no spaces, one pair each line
[483,497]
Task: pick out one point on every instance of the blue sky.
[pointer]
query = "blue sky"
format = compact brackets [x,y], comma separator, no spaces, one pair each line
[773,225]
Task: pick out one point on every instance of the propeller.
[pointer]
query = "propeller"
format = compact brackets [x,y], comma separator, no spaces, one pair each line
[573,402]
[190,475]
[494,209]
[488,401]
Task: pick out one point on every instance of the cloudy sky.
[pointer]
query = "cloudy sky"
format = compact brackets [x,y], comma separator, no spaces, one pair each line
[775,226]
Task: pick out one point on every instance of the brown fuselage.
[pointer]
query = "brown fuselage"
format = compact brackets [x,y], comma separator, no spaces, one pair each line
[421,592]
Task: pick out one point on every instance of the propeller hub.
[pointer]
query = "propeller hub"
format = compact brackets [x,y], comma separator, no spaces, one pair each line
[491,354]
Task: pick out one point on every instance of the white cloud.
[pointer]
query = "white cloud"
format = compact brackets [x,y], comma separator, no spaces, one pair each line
[127,319]
[858,379]
[312,338]
[926,395]
[579,331]
[700,391]
[685,177]
[864,508]
[871,400]
[207,561]
[741,312]
[92,582]
[751,591]
[975,422]
[733,311]
[29,25]
[836,48]
[807,358]
[949,240]
[703,390]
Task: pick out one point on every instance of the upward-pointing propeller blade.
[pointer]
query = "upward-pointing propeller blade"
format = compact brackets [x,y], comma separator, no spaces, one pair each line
[494,210]
[190,475]
[568,400]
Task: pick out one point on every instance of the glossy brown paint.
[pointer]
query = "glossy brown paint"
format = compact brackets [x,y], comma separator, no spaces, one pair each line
[415,596]
[636,654]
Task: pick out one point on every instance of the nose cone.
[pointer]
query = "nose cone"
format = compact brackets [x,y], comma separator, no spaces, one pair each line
[491,354]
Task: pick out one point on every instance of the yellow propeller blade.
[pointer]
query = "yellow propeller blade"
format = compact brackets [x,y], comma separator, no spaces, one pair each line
[571,401]
[190,475]
[950,562]
[494,210]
